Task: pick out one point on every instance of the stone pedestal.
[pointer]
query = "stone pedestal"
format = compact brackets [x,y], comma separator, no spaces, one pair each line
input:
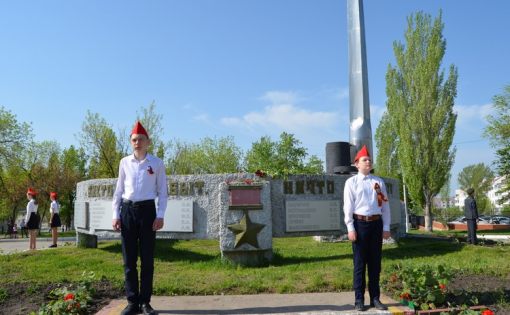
[246,225]
[86,240]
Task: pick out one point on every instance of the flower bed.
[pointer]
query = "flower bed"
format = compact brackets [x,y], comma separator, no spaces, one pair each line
[425,290]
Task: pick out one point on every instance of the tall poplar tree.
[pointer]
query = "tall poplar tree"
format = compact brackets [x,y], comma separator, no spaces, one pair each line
[498,132]
[420,110]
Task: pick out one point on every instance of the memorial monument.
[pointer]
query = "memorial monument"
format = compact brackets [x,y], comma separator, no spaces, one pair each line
[244,211]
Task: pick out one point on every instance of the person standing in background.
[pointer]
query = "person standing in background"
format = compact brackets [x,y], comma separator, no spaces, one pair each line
[142,179]
[32,218]
[471,214]
[367,217]
[23,227]
[54,218]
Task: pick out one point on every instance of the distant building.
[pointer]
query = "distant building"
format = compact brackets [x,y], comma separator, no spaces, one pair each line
[439,203]
[495,196]
[460,196]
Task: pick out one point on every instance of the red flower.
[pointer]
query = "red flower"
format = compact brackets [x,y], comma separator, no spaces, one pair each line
[77,305]
[442,287]
[405,296]
[69,296]
[487,312]
[248,181]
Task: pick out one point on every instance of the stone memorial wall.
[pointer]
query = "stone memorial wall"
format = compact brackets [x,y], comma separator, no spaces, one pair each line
[244,212]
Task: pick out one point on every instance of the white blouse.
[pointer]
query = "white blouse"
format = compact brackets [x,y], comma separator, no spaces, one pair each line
[54,207]
[31,207]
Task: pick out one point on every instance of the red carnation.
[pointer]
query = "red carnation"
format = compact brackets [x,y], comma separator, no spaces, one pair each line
[69,296]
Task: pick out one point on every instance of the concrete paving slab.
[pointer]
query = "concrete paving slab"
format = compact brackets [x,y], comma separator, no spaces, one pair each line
[10,246]
[295,304]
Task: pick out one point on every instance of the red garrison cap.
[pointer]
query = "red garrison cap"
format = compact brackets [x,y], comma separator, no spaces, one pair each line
[31,191]
[138,129]
[362,152]
[53,194]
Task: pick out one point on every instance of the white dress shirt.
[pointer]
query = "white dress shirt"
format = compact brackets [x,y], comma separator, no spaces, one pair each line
[136,183]
[31,207]
[54,207]
[360,198]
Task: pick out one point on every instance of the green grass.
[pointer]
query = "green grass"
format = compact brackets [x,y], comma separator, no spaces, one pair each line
[195,267]
[70,233]
[457,234]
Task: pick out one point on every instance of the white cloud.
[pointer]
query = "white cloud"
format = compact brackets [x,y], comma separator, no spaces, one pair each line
[202,118]
[281,97]
[314,128]
[467,114]
[287,117]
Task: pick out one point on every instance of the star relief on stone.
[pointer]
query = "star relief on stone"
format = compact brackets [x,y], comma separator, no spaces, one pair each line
[246,231]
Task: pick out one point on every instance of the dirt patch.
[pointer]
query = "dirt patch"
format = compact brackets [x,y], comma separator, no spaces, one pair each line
[487,290]
[22,298]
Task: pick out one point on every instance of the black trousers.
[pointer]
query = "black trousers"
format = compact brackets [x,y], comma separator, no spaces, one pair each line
[471,225]
[367,252]
[138,238]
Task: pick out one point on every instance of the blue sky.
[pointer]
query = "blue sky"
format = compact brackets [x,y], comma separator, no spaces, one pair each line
[234,68]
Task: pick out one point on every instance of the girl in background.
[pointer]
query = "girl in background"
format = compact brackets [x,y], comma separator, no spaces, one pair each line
[31,217]
[55,218]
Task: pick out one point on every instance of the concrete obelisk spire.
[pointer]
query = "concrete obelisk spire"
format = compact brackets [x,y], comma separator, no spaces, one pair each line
[360,128]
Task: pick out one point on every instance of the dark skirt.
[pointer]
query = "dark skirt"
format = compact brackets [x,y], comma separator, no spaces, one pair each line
[55,221]
[33,221]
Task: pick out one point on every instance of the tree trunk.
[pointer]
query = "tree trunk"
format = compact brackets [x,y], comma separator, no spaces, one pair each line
[428,214]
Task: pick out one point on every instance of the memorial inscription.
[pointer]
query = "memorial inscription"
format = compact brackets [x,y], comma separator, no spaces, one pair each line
[312,215]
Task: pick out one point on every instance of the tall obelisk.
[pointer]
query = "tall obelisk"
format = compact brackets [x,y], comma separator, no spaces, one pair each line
[360,132]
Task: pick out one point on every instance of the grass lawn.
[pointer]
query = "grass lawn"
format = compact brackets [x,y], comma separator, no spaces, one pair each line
[195,267]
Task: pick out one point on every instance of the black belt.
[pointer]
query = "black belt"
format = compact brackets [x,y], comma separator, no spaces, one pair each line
[367,218]
[138,203]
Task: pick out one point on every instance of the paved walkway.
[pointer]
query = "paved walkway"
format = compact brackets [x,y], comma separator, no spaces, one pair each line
[13,245]
[281,304]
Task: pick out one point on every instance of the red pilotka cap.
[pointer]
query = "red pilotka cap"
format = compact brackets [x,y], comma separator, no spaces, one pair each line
[31,191]
[362,152]
[138,129]
[53,195]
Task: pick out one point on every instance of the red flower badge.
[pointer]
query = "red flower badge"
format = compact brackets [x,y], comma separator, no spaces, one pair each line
[149,170]
[380,196]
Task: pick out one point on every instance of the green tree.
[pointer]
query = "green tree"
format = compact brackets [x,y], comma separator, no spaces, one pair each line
[73,170]
[100,144]
[15,135]
[386,139]
[498,132]
[420,110]
[479,177]
[283,158]
[210,156]
[153,123]
[16,138]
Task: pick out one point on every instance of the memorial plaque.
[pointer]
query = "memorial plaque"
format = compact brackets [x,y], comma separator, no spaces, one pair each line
[312,215]
[100,215]
[179,216]
[244,197]
[80,214]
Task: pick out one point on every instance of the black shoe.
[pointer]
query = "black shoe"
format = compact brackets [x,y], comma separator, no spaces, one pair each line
[131,309]
[359,306]
[378,305]
[52,246]
[147,309]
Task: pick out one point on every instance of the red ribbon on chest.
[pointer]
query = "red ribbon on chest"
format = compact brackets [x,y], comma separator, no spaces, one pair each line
[380,196]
